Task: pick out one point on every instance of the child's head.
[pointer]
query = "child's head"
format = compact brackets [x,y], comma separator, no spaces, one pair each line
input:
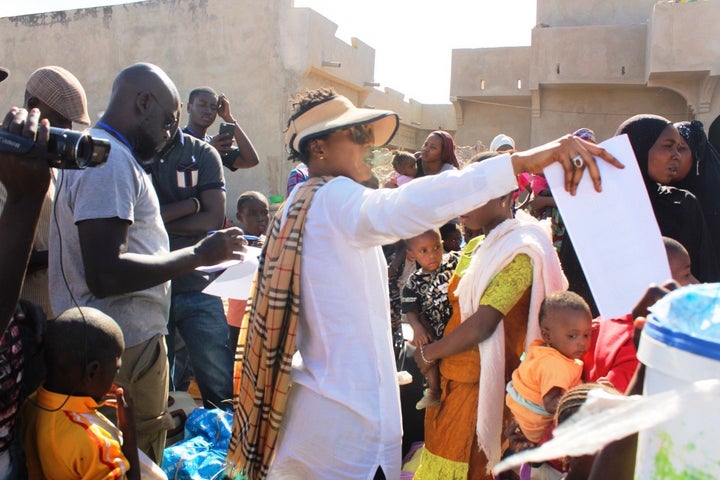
[569,404]
[679,261]
[404,163]
[427,249]
[253,213]
[451,236]
[82,353]
[574,398]
[566,323]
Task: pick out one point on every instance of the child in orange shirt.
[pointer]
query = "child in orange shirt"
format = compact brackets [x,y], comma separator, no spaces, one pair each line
[552,365]
[64,433]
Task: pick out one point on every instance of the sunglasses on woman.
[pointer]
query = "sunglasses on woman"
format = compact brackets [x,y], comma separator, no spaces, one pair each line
[361,134]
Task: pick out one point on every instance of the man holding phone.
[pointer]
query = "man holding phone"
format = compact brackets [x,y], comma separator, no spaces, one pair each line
[190,185]
[204,106]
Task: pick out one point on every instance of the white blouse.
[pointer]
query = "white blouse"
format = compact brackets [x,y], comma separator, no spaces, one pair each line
[343,418]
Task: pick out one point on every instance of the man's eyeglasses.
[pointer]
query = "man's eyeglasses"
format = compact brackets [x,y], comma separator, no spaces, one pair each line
[361,134]
[172,119]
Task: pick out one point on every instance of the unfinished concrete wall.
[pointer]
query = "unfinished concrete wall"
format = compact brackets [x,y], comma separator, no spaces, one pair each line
[568,13]
[599,55]
[485,118]
[593,64]
[258,52]
[417,120]
[601,108]
[197,42]
[684,36]
[477,72]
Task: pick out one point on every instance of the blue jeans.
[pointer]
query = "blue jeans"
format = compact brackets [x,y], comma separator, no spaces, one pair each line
[200,320]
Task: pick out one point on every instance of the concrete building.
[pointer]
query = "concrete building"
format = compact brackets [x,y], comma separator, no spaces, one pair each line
[258,52]
[591,64]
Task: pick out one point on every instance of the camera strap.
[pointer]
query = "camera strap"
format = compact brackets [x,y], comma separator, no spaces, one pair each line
[119,136]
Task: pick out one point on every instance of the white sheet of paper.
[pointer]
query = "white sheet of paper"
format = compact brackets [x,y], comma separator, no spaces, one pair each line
[235,282]
[250,252]
[218,266]
[614,232]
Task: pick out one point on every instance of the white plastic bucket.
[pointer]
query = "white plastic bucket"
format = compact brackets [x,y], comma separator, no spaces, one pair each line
[687,447]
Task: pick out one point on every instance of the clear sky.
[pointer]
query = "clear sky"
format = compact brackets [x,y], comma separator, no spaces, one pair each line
[413,39]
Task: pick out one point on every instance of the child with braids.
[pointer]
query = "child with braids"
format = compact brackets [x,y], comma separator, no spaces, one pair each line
[566,468]
[569,404]
[552,364]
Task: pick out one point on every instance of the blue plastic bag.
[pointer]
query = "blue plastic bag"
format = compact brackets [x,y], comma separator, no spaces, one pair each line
[202,455]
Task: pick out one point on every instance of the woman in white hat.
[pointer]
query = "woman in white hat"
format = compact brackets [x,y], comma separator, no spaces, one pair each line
[502,143]
[322,290]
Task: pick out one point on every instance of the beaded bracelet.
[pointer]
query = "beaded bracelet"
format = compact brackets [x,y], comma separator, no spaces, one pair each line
[422,355]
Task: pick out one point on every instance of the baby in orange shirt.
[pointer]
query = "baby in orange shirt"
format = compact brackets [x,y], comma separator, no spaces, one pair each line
[552,364]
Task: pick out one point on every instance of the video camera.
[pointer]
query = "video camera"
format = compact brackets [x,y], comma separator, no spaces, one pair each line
[66,149]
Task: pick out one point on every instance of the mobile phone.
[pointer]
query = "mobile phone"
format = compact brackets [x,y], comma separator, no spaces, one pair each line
[227,128]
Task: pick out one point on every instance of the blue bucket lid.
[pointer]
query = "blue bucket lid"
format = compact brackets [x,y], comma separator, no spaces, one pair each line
[689,319]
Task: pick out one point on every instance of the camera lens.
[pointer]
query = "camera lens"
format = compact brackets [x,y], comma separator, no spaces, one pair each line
[75,150]
[66,149]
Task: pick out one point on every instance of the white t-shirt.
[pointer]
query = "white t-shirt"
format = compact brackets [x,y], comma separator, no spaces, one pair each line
[343,418]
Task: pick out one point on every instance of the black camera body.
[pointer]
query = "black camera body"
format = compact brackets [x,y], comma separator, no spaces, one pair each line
[66,149]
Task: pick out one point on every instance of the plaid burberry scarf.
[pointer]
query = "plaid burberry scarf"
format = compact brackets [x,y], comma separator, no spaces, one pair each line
[262,366]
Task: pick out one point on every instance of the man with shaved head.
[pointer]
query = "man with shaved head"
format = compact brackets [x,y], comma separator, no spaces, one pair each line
[109,246]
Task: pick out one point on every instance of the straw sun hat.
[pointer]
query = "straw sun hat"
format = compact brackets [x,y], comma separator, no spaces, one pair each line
[336,113]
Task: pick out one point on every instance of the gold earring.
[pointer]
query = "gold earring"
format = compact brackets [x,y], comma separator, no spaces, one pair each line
[322,158]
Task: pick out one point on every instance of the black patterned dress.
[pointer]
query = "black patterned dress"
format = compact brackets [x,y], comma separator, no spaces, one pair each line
[428,293]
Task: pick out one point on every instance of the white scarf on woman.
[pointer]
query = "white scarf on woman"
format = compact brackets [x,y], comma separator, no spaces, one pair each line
[521,235]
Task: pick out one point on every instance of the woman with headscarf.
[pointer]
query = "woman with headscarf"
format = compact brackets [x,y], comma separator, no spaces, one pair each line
[502,143]
[700,173]
[437,154]
[714,133]
[656,143]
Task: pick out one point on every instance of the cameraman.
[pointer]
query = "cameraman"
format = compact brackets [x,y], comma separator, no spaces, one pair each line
[60,97]
[26,180]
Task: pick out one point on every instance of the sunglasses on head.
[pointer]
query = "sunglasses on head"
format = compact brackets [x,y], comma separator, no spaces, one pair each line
[361,134]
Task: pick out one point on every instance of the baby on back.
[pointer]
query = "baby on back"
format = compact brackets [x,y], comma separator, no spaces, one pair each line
[552,365]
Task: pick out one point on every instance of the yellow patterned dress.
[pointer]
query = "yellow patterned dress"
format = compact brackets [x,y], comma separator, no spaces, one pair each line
[451,451]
